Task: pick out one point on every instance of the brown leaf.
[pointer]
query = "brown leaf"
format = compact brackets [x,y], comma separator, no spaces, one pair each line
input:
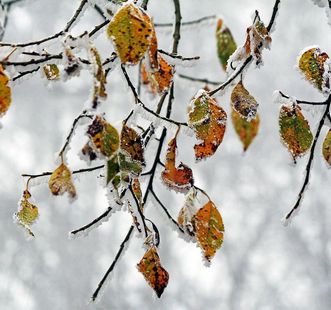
[5,92]
[61,182]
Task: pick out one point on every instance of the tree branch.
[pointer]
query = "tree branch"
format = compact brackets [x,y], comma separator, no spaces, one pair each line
[302,101]
[194,79]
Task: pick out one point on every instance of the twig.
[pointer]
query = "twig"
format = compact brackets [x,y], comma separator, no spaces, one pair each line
[140,211]
[273,16]
[144,4]
[189,23]
[21,74]
[310,160]
[193,79]
[302,101]
[179,56]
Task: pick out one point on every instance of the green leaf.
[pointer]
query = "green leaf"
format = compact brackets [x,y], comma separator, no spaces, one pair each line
[113,168]
[326,149]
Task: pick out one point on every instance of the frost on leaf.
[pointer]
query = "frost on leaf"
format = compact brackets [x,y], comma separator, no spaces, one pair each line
[209,229]
[99,89]
[209,123]
[155,275]
[113,168]
[159,80]
[326,148]
[61,182]
[27,213]
[104,137]
[226,44]
[187,212]
[314,64]
[5,92]
[72,64]
[137,191]
[51,72]
[88,152]
[246,130]
[178,178]
[131,31]
[243,102]
[294,130]
[153,55]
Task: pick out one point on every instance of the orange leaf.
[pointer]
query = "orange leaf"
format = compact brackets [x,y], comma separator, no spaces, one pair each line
[327,147]
[181,178]
[61,182]
[5,92]
[209,229]
[209,123]
[155,275]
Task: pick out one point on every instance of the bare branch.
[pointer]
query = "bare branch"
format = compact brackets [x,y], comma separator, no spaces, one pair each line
[194,79]
[302,101]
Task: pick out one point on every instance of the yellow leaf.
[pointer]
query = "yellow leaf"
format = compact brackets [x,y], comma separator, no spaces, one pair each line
[5,92]
[52,72]
[61,182]
[327,147]
[155,275]
[131,31]
[209,229]
[27,214]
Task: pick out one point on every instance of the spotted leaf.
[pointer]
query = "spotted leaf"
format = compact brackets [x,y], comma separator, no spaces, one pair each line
[326,148]
[226,44]
[52,72]
[209,123]
[155,275]
[5,92]
[246,130]
[132,144]
[313,64]
[294,130]
[178,178]
[131,31]
[61,182]
[209,229]
[27,213]
[104,136]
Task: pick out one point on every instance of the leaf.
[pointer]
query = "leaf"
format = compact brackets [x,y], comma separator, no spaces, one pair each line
[178,178]
[209,123]
[294,130]
[113,168]
[326,149]
[61,182]
[5,92]
[99,77]
[129,166]
[209,229]
[155,275]
[243,103]
[131,143]
[160,80]
[130,30]
[153,55]
[136,187]
[187,212]
[104,136]
[226,44]
[52,72]
[88,152]
[312,64]
[246,130]
[27,214]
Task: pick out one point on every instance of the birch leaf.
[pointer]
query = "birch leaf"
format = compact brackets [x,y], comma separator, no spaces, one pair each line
[178,178]
[246,130]
[104,136]
[155,275]
[113,168]
[312,65]
[209,123]
[226,44]
[209,229]
[294,130]
[61,182]
[52,72]
[130,30]
[326,149]
[27,214]
[243,103]
[5,92]
[132,144]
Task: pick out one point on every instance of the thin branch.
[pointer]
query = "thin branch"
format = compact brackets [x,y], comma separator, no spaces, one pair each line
[167,212]
[302,101]
[189,23]
[144,4]
[175,56]
[273,16]
[21,74]
[176,34]
[329,117]
[193,79]
[310,160]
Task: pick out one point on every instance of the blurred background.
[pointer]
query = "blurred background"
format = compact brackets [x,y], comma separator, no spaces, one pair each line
[262,264]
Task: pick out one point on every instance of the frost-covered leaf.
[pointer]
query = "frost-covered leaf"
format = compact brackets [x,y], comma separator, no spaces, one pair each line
[326,149]
[246,130]
[158,80]
[5,92]
[130,30]
[27,213]
[294,130]
[104,136]
[209,123]
[52,72]
[129,166]
[155,275]
[187,212]
[243,102]
[153,55]
[314,64]
[209,229]
[61,181]
[132,144]
[88,152]
[99,89]
[226,44]
[136,187]
[72,65]
[113,168]
[178,178]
